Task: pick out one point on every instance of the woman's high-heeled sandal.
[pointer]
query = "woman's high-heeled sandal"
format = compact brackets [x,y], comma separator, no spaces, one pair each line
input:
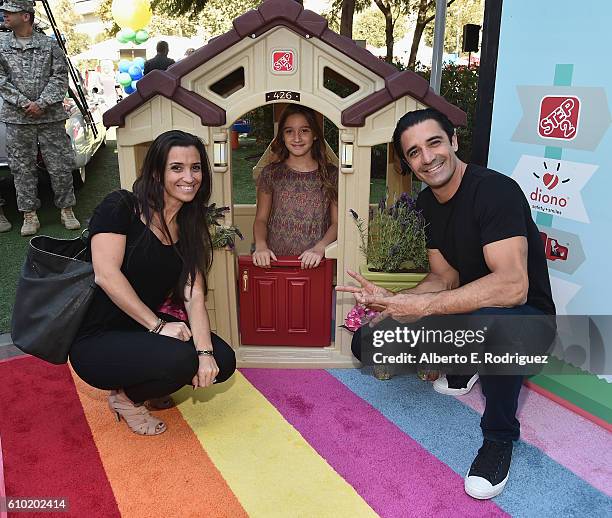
[160,403]
[137,417]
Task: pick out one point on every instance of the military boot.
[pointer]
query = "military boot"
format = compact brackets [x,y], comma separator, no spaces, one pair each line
[68,219]
[5,224]
[30,223]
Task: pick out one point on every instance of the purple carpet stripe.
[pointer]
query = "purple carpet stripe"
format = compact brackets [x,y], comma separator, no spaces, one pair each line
[569,439]
[392,472]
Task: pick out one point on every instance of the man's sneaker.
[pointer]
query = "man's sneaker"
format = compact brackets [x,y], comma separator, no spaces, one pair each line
[454,385]
[31,225]
[489,472]
[5,224]
[68,219]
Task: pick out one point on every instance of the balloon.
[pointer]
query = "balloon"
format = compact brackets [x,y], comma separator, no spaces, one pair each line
[125,79]
[141,36]
[134,13]
[128,89]
[121,37]
[135,72]
[139,62]
[134,84]
[124,65]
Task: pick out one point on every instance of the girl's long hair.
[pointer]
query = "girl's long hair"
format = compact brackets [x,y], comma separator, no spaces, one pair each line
[318,146]
[194,244]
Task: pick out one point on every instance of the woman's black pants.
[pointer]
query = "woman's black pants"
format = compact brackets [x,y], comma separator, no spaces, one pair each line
[143,364]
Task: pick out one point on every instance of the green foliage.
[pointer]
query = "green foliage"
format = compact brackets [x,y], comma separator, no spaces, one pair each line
[262,124]
[222,235]
[66,18]
[459,86]
[370,26]
[396,238]
[459,13]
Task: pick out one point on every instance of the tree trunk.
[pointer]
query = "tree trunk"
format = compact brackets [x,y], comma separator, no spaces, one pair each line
[346,18]
[386,10]
[422,21]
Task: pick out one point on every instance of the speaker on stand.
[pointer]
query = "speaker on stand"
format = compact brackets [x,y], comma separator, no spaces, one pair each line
[471,37]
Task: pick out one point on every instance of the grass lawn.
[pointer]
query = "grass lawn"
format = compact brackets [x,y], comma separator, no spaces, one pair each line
[102,178]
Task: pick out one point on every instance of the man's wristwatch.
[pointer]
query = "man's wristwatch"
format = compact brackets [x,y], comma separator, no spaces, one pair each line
[204,352]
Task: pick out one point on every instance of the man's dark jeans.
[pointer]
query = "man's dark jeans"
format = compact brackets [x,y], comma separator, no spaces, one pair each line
[499,422]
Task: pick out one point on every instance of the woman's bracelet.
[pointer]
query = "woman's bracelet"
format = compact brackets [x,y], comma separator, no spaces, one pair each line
[159,325]
[204,352]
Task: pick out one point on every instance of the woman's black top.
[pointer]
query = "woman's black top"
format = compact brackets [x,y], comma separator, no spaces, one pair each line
[151,267]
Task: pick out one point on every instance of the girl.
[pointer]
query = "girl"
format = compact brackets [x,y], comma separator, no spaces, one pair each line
[145,245]
[297,208]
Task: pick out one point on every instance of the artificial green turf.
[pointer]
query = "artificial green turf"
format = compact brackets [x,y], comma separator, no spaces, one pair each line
[102,176]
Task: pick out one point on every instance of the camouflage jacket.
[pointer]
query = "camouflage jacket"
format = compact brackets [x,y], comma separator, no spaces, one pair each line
[37,73]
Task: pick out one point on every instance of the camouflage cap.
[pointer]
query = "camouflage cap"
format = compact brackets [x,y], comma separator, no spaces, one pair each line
[17,6]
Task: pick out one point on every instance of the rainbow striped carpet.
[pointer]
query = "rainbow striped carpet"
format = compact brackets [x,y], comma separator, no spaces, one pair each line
[307,443]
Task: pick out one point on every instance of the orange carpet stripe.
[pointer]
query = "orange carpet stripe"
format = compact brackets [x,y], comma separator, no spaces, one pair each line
[162,483]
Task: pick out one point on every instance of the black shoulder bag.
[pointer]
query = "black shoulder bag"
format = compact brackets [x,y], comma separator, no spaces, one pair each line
[54,291]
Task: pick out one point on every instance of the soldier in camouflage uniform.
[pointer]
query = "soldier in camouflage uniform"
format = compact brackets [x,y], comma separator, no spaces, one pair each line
[33,84]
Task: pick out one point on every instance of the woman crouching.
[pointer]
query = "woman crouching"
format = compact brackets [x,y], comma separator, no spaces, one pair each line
[145,246]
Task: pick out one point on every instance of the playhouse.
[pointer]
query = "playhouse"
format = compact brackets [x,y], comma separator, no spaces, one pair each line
[277,54]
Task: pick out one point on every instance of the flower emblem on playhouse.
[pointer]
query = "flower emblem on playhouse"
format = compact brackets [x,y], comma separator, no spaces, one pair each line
[553,186]
[559,117]
[283,61]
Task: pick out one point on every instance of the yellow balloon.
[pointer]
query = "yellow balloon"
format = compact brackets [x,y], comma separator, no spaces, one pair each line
[134,14]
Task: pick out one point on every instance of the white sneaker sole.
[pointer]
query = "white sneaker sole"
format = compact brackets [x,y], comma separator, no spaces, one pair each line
[441,386]
[482,493]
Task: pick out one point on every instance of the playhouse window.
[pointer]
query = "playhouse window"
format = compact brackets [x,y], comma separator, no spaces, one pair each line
[337,83]
[229,84]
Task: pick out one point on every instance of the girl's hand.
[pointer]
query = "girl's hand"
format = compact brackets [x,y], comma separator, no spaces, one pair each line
[178,330]
[263,257]
[207,372]
[311,258]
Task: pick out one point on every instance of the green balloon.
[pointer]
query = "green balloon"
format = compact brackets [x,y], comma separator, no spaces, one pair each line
[121,37]
[141,36]
[124,79]
[130,35]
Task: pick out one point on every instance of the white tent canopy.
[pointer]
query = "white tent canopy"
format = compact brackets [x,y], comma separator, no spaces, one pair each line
[109,49]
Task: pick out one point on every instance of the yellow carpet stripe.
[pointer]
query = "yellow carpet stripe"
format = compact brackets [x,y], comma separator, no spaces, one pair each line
[269,466]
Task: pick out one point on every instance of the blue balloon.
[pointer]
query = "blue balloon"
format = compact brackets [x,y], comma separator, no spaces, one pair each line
[135,72]
[133,85]
[128,89]
[124,65]
[139,62]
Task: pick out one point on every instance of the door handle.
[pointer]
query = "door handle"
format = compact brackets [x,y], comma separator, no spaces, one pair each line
[245,280]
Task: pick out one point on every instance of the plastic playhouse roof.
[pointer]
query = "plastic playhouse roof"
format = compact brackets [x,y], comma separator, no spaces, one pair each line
[290,14]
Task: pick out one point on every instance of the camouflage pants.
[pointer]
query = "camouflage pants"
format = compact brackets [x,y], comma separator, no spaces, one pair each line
[22,142]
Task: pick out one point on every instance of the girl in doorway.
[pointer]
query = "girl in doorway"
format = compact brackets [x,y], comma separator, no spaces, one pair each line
[297,207]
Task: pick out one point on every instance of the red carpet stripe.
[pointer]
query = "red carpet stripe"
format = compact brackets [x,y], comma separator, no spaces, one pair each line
[48,447]
[389,469]
[2,490]
[166,475]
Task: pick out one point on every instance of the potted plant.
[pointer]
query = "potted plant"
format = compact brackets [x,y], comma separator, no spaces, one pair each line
[394,244]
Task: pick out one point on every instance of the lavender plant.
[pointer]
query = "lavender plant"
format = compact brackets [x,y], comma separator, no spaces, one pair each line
[396,239]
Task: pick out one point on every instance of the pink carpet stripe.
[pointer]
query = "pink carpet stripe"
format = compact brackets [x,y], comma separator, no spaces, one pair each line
[13,358]
[570,406]
[391,471]
[2,486]
[569,439]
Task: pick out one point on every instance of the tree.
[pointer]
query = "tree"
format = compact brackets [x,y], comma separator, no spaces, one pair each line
[66,19]
[459,14]
[391,10]
[370,24]
[344,10]
[425,14]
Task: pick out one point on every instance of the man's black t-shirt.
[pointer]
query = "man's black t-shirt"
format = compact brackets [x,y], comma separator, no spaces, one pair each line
[151,267]
[159,62]
[487,207]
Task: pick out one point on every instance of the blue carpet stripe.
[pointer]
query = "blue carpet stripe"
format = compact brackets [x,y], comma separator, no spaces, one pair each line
[538,486]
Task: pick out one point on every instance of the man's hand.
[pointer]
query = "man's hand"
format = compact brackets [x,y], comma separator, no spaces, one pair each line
[367,289]
[404,307]
[33,109]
